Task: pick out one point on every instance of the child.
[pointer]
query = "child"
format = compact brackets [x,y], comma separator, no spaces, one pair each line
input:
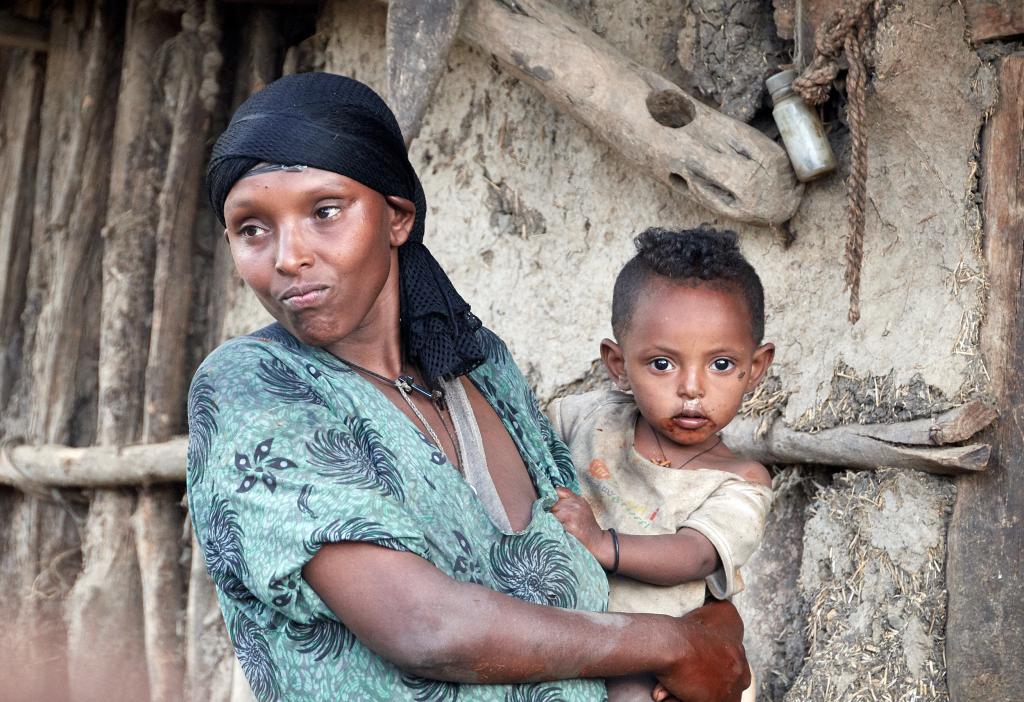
[667,508]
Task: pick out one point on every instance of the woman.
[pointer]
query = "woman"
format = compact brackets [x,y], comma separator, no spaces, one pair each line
[370,478]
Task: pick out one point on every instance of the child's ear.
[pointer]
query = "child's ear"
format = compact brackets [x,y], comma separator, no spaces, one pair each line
[763,356]
[614,363]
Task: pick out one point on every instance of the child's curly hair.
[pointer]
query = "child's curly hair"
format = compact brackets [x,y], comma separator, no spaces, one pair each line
[702,256]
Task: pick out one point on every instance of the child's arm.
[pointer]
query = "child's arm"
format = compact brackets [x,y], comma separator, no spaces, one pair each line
[665,559]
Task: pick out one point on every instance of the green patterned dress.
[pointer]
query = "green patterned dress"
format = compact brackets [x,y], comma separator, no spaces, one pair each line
[289,449]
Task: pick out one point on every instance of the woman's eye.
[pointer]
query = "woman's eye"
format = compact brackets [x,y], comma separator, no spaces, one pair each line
[722,364]
[661,364]
[249,230]
[327,211]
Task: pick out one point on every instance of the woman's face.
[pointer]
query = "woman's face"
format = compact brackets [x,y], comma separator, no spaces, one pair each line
[319,251]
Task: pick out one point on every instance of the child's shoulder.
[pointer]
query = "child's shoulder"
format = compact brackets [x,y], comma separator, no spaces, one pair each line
[751,471]
[585,405]
[573,411]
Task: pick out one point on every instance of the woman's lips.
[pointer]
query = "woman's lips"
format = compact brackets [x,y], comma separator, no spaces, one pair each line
[302,297]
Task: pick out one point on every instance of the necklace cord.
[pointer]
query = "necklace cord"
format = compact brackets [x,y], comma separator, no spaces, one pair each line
[664,458]
[405,384]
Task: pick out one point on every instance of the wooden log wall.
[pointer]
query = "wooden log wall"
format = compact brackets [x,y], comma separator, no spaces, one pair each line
[103,149]
[105,120]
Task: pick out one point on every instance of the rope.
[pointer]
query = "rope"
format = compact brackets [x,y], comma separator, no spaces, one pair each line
[847,33]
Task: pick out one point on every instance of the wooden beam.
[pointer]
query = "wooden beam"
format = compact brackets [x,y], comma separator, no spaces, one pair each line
[721,163]
[994,19]
[419,36]
[910,445]
[913,445]
[985,559]
[20,33]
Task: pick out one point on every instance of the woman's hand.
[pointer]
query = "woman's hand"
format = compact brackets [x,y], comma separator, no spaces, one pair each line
[578,519]
[715,667]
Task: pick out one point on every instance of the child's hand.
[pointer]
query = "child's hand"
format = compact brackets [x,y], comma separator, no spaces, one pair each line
[578,519]
[660,694]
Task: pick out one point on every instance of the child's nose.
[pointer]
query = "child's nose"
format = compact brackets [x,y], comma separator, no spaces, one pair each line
[690,385]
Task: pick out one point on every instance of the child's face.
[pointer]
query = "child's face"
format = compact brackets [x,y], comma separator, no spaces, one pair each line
[688,356]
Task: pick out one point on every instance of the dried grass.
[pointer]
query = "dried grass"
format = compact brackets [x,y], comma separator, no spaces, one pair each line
[853,660]
[872,399]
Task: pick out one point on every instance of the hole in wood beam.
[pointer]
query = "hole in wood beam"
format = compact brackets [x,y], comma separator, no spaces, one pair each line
[704,185]
[670,108]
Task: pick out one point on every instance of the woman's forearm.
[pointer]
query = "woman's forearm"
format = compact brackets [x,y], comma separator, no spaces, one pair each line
[409,612]
[423,621]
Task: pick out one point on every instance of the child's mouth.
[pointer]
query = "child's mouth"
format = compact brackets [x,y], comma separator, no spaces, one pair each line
[690,419]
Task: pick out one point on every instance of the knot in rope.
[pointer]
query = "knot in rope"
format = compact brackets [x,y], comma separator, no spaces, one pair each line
[847,34]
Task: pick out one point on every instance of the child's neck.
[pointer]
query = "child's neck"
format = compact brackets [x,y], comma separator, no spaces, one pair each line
[667,453]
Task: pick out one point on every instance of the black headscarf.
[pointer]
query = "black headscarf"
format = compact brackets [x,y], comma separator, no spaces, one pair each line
[338,124]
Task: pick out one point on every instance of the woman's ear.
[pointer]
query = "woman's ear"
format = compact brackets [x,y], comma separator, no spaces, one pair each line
[615,364]
[763,356]
[403,216]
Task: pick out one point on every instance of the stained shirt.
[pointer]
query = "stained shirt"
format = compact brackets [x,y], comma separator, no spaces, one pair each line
[289,449]
[636,496]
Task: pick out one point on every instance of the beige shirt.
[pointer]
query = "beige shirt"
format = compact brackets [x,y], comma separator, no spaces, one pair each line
[636,496]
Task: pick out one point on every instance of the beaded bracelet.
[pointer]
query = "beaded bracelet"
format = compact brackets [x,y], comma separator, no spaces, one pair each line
[615,545]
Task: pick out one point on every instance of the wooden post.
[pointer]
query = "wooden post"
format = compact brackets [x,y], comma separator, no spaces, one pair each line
[55,395]
[105,608]
[921,444]
[259,64]
[20,103]
[985,626]
[208,652]
[158,517]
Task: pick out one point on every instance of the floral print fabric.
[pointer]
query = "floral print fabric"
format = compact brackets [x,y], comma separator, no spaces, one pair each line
[289,449]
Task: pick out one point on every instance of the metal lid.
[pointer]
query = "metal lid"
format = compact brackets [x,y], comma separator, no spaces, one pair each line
[780,80]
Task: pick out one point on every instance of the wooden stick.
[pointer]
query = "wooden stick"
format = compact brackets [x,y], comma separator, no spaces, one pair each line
[914,445]
[158,516]
[721,163]
[910,445]
[95,466]
[952,427]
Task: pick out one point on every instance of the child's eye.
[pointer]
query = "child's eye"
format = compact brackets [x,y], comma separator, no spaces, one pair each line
[722,364]
[327,211]
[661,364]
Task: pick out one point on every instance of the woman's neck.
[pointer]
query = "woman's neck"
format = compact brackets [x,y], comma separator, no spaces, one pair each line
[376,343]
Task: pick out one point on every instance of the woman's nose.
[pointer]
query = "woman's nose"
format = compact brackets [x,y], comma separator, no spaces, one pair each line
[293,251]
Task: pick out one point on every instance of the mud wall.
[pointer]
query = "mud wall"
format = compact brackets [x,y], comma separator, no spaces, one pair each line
[532,216]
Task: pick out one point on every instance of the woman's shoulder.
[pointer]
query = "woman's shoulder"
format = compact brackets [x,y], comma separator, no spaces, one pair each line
[273,338]
[494,348]
[271,360]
